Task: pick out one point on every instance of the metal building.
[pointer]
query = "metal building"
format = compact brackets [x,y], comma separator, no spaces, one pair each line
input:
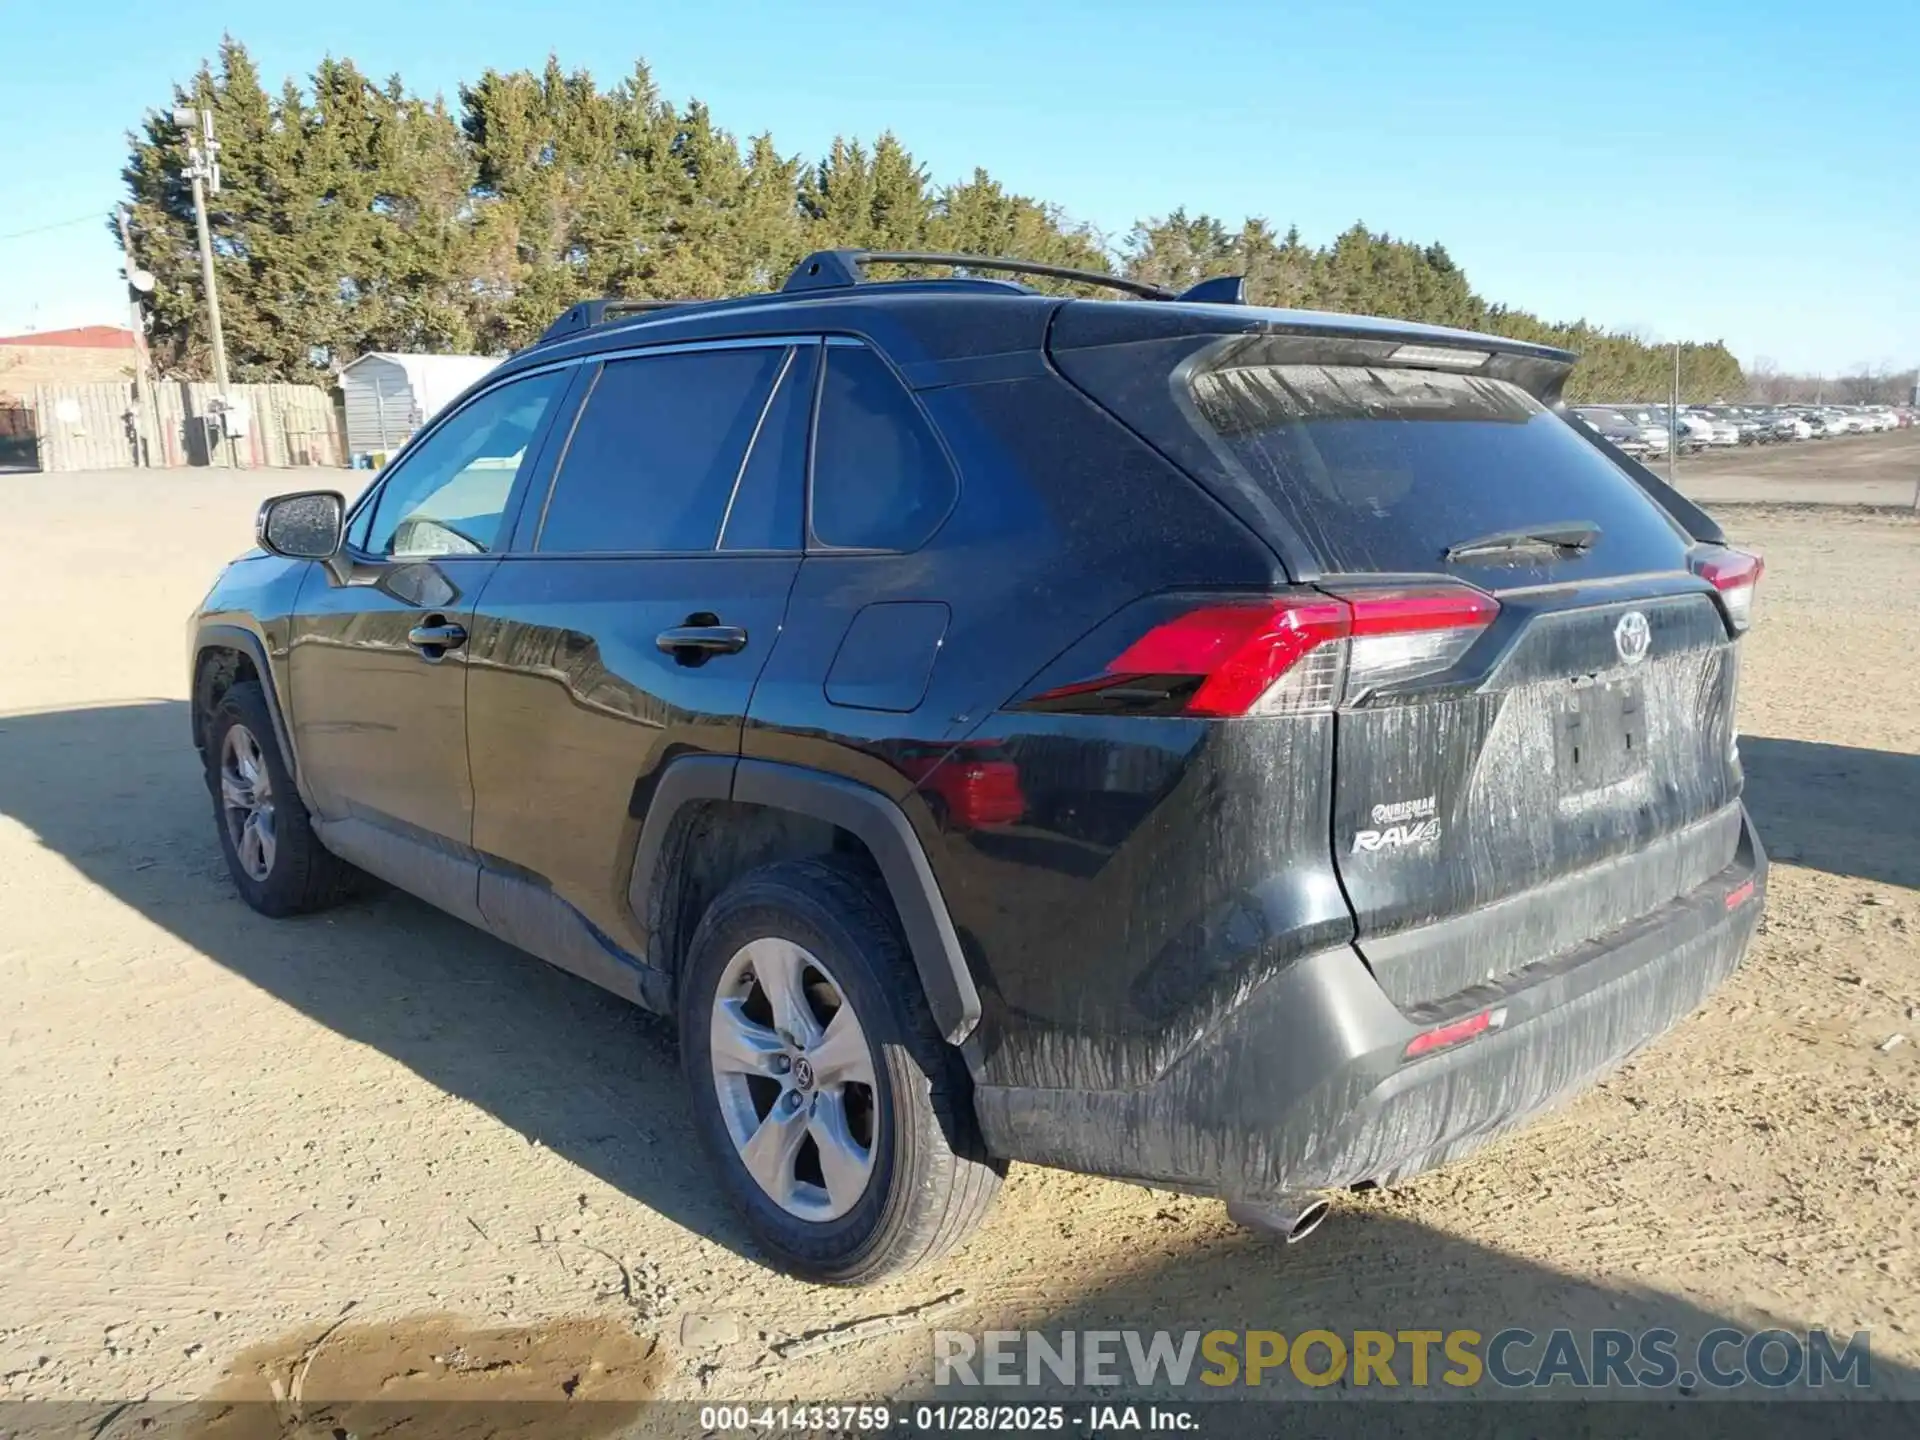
[389,396]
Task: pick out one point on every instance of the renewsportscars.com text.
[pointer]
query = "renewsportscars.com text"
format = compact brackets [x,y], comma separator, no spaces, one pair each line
[1508,1359]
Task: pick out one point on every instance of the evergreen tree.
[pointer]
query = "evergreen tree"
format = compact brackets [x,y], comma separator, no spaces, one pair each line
[357,216]
[1177,251]
[878,201]
[980,217]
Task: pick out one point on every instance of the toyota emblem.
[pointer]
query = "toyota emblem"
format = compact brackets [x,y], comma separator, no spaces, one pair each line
[1633,637]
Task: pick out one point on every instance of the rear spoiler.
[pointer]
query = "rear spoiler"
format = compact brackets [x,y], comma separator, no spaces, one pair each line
[1215,335]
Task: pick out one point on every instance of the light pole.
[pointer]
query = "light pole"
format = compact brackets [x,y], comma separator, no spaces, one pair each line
[139,282]
[1673,415]
[203,169]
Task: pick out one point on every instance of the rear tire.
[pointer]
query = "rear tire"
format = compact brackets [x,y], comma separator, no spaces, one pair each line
[278,864]
[868,1155]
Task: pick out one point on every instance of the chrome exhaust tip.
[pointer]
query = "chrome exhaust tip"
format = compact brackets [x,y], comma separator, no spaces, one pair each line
[1291,1217]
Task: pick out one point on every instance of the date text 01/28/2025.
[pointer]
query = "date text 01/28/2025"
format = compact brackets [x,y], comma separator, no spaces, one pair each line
[943,1419]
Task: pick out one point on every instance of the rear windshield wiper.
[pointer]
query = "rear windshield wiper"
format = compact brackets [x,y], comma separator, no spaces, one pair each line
[1569,536]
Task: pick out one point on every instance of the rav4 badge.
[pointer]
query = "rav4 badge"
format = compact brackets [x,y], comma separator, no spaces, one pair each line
[1396,837]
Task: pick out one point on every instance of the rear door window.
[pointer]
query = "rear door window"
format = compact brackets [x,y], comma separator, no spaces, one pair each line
[1382,469]
[657,451]
[880,477]
[766,511]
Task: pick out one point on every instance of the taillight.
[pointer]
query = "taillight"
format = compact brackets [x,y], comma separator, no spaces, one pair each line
[1401,635]
[1736,575]
[1305,653]
[1241,654]
[1445,1037]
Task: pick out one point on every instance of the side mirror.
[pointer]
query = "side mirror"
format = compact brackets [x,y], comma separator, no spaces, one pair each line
[302,526]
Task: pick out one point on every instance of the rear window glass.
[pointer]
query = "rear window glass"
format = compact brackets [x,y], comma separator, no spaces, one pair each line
[880,479]
[1383,469]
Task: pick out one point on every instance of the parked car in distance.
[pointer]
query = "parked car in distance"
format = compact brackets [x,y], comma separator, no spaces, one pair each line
[1693,432]
[1615,427]
[999,726]
[1750,425]
[1720,430]
[1653,426]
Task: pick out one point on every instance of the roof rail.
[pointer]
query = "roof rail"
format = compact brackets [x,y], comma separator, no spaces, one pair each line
[589,313]
[842,269]
[837,269]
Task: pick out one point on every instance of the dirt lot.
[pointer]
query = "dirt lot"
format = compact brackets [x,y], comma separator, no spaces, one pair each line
[1879,470]
[225,1135]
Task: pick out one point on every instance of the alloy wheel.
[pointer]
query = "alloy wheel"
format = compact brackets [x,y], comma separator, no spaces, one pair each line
[246,801]
[795,1079]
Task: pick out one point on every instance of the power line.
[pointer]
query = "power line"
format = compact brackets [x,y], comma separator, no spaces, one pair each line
[56,225]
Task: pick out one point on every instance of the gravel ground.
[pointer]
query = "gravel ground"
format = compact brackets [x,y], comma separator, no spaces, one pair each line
[1879,470]
[225,1135]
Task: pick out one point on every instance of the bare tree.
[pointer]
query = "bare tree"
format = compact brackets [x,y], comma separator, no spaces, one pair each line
[1866,384]
[1765,382]
[1863,385]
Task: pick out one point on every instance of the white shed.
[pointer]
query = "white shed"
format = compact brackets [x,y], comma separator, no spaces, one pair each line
[390,396]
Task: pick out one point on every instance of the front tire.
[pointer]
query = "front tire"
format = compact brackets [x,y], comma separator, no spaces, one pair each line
[278,865]
[839,1120]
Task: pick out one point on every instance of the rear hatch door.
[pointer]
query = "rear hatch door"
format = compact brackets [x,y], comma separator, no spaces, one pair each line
[1512,779]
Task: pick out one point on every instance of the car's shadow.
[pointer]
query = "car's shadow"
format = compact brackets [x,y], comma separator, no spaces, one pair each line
[1836,808]
[1384,1272]
[117,791]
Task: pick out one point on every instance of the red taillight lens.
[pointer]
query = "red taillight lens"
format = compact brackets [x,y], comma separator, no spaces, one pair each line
[1736,575]
[1401,635]
[1457,1032]
[1305,653]
[1240,649]
[1400,612]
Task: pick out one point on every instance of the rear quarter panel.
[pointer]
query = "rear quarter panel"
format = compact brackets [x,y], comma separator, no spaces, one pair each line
[1120,882]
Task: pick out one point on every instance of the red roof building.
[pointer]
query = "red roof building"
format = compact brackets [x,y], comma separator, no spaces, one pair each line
[82,337]
[85,355]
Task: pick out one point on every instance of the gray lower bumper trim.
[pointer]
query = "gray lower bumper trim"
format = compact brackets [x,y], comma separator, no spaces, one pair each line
[1305,1085]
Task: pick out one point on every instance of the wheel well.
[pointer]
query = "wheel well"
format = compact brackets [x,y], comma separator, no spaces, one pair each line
[218,670]
[712,844]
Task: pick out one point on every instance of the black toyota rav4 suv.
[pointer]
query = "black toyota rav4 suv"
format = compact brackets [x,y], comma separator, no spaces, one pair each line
[1243,751]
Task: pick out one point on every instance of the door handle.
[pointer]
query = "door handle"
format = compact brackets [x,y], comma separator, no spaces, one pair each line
[702,640]
[436,637]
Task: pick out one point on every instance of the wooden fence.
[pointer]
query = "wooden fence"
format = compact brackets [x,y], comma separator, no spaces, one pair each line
[101,427]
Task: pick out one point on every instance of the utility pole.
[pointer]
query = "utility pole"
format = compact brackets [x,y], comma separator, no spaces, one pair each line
[203,169]
[1673,416]
[139,282]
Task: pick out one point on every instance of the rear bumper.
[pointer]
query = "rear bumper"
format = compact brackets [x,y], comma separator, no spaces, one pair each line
[1304,1086]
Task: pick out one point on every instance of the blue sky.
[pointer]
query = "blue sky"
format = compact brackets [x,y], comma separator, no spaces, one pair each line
[1748,171]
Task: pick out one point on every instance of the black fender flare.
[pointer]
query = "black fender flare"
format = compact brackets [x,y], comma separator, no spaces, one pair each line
[877,821]
[235,637]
